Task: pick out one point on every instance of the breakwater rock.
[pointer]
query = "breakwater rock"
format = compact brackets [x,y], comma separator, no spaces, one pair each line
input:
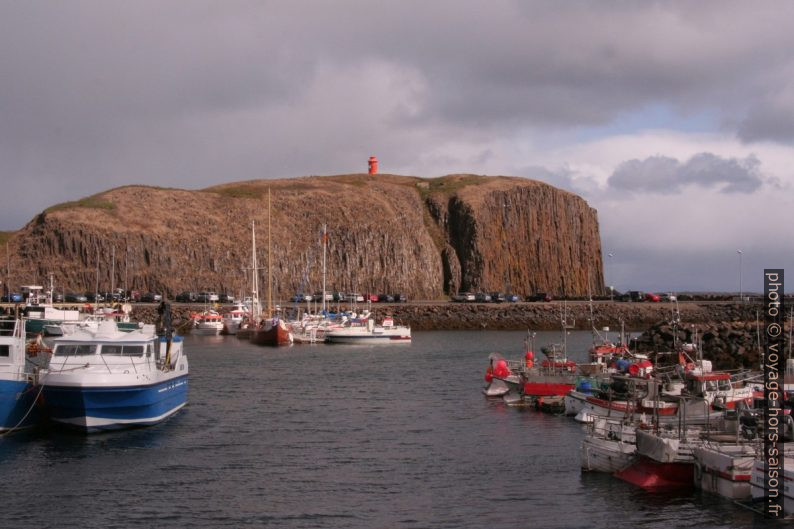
[526,316]
[728,344]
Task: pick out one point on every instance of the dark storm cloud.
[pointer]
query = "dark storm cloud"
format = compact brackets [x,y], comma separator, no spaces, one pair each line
[97,94]
[661,174]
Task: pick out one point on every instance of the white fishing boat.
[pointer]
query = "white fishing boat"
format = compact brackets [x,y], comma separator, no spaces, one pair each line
[17,394]
[365,331]
[207,323]
[725,468]
[609,446]
[234,318]
[104,378]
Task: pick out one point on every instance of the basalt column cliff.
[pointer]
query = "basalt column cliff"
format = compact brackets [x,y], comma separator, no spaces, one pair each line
[421,237]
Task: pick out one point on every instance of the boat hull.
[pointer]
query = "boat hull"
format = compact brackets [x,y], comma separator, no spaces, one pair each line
[17,405]
[95,408]
[368,339]
[574,402]
[655,476]
[726,471]
[363,336]
[606,455]
[547,388]
[274,336]
[206,330]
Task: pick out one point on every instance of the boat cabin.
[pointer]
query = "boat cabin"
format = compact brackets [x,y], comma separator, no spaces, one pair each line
[701,385]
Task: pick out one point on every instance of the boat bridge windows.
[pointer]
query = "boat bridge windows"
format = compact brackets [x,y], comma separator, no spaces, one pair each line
[123,350]
[75,350]
[5,351]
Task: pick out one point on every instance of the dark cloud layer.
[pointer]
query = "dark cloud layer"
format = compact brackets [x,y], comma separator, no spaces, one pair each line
[662,174]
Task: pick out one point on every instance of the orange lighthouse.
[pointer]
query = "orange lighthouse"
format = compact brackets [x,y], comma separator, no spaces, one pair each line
[373,165]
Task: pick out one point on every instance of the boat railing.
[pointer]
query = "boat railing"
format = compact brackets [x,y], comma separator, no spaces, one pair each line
[10,327]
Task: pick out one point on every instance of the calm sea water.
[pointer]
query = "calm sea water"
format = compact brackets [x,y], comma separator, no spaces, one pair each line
[336,437]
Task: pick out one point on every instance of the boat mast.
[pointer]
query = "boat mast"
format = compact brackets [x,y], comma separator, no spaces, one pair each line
[269,264]
[112,273]
[255,310]
[325,242]
[96,286]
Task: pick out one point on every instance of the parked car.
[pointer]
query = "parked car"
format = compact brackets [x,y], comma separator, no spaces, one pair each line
[482,297]
[71,297]
[512,298]
[151,297]
[354,297]
[318,296]
[338,296]
[13,297]
[539,296]
[57,297]
[94,297]
[633,295]
[386,298]
[654,298]
[134,295]
[668,297]
[300,298]
[372,298]
[498,297]
[400,298]
[463,297]
[186,297]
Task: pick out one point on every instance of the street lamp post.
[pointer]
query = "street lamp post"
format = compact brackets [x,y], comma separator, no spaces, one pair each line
[741,298]
[611,287]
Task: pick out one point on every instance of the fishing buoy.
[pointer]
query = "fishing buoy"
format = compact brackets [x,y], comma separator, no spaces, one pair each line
[501,370]
[529,358]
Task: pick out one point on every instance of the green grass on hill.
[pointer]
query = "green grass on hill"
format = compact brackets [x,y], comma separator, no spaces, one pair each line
[240,191]
[94,202]
[448,185]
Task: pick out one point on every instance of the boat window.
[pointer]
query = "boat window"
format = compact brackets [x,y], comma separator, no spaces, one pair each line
[122,350]
[4,350]
[725,385]
[711,385]
[75,350]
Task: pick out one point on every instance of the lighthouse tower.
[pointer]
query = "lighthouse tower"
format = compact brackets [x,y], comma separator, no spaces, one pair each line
[373,165]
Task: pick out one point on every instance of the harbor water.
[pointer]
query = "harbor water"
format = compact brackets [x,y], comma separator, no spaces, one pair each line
[335,437]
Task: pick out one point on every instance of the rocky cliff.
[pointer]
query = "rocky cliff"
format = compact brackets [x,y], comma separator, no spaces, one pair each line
[387,233]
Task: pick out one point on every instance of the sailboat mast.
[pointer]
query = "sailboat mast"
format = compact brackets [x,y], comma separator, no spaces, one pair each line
[112,273]
[255,310]
[269,263]
[325,242]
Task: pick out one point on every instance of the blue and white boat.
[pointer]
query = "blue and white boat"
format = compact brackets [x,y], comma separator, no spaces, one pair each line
[103,378]
[17,394]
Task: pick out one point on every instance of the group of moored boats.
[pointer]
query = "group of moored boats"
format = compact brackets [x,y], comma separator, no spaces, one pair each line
[346,327]
[660,427]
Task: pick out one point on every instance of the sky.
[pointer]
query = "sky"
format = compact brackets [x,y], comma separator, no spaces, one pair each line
[675,120]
